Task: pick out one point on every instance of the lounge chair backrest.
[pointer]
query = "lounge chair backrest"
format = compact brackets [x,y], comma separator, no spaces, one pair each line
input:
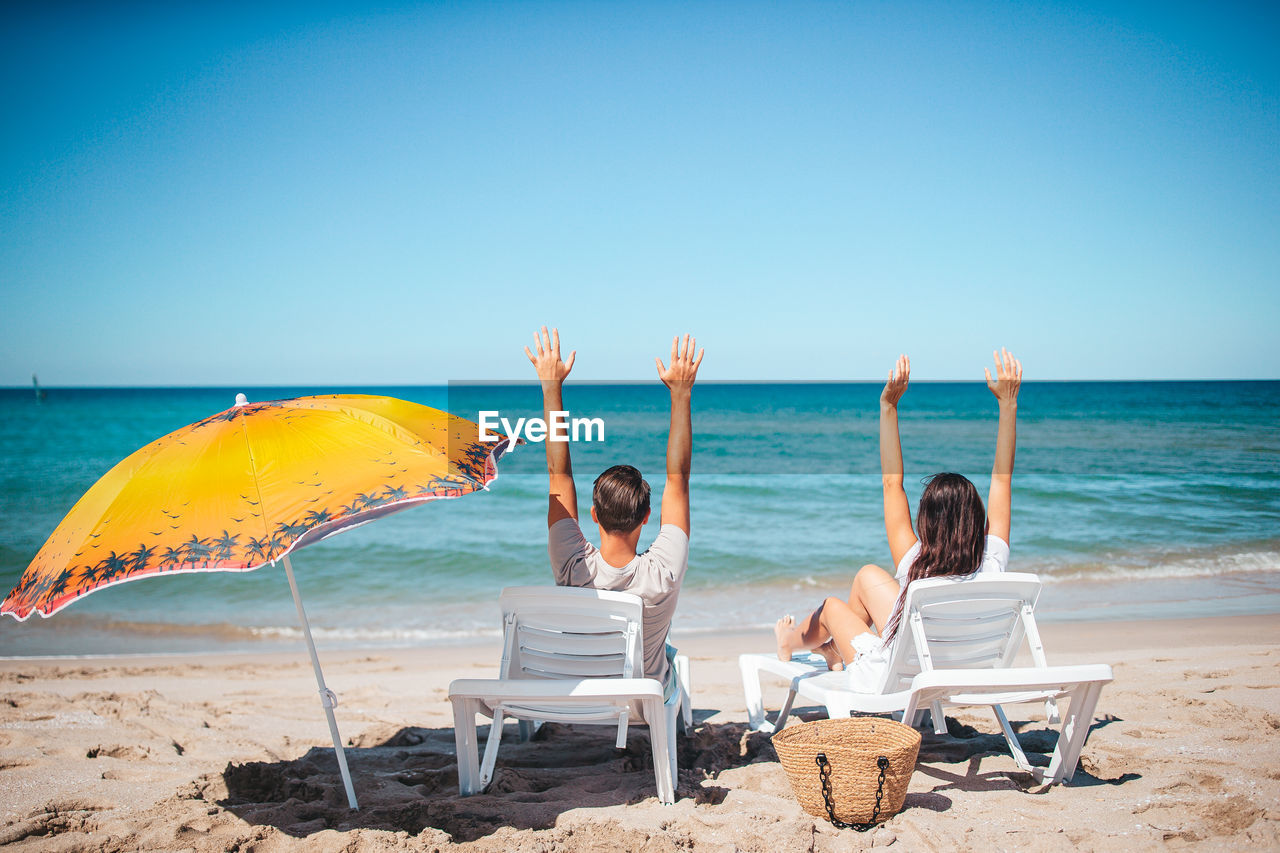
[971,622]
[569,632]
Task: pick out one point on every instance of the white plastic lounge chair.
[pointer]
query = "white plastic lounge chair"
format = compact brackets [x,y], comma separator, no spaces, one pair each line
[956,646]
[570,655]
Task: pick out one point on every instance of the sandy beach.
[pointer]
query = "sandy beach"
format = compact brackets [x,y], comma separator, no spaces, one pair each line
[230,752]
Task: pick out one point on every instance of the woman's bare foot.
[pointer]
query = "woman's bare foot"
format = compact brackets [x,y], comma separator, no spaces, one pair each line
[782,630]
[831,655]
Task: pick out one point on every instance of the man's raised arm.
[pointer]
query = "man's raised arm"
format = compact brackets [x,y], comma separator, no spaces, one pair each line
[679,379]
[562,500]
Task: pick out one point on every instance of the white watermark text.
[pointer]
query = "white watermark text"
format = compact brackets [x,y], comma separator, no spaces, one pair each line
[561,427]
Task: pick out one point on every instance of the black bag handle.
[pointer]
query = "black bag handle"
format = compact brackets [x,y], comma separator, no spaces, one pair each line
[824,773]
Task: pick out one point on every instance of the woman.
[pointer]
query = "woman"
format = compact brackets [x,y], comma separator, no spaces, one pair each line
[955,537]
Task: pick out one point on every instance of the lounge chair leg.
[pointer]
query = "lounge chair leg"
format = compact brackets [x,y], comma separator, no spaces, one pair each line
[621,740]
[786,708]
[491,749]
[659,738]
[1075,728]
[672,713]
[464,738]
[686,703]
[1015,747]
[751,690]
[939,718]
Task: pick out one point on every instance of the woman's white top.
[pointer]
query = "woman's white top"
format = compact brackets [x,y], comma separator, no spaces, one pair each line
[867,672]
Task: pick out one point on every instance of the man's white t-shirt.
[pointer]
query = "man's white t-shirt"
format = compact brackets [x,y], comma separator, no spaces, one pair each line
[655,576]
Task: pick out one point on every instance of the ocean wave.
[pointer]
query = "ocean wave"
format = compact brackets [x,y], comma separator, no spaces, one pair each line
[1156,566]
[120,636]
[377,636]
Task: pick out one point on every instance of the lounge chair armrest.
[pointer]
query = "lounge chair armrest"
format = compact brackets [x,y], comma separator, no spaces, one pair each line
[586,689]
[1021,679]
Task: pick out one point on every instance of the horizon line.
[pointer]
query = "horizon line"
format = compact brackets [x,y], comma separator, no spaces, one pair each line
[515,383]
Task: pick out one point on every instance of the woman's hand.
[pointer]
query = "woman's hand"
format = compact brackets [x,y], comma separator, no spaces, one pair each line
[1008,377]
[897,384]
[1000,498]
[897,512]
[547,362]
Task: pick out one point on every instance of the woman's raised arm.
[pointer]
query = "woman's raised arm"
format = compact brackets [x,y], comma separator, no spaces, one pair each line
[1005,386]
[897,512]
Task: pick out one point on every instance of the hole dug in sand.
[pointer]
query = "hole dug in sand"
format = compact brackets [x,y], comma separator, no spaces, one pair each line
[126,753]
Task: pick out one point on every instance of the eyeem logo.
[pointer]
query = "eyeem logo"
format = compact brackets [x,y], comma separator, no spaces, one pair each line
[560,428]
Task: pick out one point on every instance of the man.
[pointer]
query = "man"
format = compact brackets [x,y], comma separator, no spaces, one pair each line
[620,505]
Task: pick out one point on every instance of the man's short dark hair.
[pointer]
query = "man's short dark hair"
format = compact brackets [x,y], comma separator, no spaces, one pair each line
[621,499]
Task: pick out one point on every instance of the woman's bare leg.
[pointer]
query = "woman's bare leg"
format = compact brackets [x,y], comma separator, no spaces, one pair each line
[873,596]
[830,630]
[809,634]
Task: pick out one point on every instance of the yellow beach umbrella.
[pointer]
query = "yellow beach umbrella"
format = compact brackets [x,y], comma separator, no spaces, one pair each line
[248,486]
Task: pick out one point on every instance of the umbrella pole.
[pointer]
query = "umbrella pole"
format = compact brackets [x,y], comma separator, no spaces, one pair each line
[327,699]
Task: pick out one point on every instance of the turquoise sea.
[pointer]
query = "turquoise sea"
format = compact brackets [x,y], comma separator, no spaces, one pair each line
[1132,500]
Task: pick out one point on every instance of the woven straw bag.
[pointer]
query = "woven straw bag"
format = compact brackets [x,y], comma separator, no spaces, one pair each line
[852,771]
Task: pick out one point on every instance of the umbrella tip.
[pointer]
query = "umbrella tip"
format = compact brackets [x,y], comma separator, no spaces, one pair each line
[242,400]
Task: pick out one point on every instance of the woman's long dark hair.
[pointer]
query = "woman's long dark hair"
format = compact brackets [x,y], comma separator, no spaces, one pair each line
[952,525]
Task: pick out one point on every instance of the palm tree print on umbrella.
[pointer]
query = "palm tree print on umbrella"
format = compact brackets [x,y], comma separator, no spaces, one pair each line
[395,493]
[114,566]
[258,550]
[196,551]
[316,517]
[141,557]
[224,546]
[59,585]
[291,530]
[92,574]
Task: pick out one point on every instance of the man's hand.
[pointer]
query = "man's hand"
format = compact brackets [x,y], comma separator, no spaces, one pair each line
[897,384]
[547,361]
[684,367]
[679,378]
[562,494]
[1008,377]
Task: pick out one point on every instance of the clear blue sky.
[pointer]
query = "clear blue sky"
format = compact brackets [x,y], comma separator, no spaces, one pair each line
[340,194]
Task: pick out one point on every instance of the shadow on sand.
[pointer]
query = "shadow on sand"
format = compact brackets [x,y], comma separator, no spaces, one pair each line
[965,744]
[407,779]
[964,747]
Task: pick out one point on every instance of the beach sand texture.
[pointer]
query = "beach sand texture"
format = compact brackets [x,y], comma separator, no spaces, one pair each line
[229,753]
